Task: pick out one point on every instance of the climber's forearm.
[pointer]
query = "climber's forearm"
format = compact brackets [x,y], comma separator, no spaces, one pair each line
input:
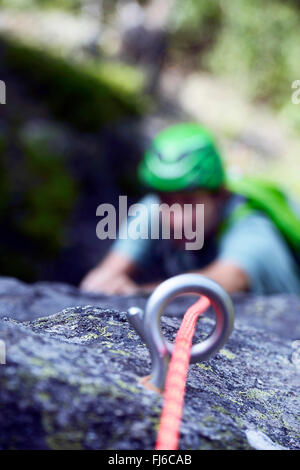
[149,286]
[230,276]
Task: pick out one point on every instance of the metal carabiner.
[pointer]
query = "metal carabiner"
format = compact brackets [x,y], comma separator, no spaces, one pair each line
[147,324]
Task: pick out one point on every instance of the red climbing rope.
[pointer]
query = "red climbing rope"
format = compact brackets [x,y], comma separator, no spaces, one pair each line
[168,433]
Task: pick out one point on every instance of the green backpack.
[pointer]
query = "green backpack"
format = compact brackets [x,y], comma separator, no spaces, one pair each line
[269,198]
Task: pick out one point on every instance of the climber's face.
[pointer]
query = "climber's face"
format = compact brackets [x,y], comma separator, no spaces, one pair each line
[179,217]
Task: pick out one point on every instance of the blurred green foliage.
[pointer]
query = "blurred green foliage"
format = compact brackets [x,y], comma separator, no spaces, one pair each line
[51,99]
[37,196]
[72,5]
[87,95]
[194,26]
[255,44]
[252,43]
[4,190]
[48,189]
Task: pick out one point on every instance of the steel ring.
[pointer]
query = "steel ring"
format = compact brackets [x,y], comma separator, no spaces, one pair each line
[189,284]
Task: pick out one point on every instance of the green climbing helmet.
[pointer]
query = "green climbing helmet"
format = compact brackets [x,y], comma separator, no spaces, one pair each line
[181,157]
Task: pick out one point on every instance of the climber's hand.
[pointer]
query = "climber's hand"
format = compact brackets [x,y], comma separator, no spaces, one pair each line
[110,277]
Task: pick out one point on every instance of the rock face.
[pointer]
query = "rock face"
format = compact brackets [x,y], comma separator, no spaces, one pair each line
[71,379]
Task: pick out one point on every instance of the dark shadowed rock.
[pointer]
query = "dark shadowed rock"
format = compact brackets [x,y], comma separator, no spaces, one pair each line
[71,379]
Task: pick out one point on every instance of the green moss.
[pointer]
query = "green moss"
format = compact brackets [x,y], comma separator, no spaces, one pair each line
[257,394]
[216,391]
[208,419]
[89,389]
[239,421]
[260,415]
[114,323]
[119,351]
[46,370]
[204,367]
[107,344]
[287,425]
[127,387]
[155,422]
[235,401]
[59,441]
[276,412]
[89,337]
[44,397]
[227,354]
[103,332]
[220,409]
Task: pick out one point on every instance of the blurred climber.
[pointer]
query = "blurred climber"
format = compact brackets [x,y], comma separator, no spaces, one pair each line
[251,229]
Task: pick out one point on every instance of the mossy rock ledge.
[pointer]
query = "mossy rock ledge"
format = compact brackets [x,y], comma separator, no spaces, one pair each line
[71,378]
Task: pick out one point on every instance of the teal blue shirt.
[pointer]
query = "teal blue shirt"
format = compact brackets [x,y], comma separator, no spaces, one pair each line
[252,242]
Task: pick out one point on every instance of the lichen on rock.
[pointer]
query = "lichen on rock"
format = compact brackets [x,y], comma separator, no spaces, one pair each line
[71,380]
